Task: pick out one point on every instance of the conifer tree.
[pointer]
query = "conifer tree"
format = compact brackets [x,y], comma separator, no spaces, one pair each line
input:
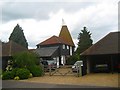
[85,40]
[18,36]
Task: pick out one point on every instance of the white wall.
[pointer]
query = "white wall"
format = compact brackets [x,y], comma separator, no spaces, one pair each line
[63,60]
[70,50]
[57,61]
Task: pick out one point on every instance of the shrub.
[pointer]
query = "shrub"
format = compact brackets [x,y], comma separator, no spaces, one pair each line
[8,75]
[23,73]
[30,76]
[24,59]
[9,65]
[1,76]
[16,78]
[36,70]
[14,71]
[0,71]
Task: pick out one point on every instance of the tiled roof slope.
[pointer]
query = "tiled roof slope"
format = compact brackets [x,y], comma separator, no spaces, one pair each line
[107,45]
[10,48]
[65,35]
[52,40]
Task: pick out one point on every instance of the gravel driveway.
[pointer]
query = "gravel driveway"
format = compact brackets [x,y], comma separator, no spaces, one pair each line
[93,79]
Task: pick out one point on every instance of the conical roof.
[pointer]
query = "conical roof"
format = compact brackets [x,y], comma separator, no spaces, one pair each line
[65,35]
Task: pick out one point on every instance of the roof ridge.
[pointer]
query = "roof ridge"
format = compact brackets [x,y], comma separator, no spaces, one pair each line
[115,32]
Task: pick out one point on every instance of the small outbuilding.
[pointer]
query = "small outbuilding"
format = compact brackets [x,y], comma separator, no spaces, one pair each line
[103,55]
[8,50]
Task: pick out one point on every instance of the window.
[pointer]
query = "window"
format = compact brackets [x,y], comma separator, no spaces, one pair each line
[63,46]
[67,47]
[70,50]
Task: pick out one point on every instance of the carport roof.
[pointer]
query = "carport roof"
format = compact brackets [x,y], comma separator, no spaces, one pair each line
[107,45]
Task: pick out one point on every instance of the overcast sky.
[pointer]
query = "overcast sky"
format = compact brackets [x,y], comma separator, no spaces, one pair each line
[42,19]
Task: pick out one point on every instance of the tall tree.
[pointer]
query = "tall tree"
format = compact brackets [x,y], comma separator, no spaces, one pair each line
[85,40]
[18,36]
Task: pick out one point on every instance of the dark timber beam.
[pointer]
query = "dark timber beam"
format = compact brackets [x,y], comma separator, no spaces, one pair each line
[112,68]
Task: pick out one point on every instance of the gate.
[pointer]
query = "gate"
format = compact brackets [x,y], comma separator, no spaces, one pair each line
[63,71]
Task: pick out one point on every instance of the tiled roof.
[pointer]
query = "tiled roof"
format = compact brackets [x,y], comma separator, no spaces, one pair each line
[52,40]
[64,38]
[10,48]
[46,52]
[107,45]
[65,35]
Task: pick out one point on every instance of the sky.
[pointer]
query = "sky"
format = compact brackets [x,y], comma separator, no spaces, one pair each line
[41,19]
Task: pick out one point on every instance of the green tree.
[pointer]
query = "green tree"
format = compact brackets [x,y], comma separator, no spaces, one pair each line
[85,40]
[72,59]
[18,36]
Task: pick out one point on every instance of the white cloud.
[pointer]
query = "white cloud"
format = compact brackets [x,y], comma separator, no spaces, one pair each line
[100,19]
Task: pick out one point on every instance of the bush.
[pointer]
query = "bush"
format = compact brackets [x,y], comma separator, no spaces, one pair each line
[36,71]
[23,73]
[8,75]
[30,76]
[16,78]
[14,71]
[0,71]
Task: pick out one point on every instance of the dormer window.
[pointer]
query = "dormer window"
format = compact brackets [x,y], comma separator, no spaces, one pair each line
[63,46]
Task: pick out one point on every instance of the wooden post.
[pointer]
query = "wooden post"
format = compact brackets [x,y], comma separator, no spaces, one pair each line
[50,70]
[88,65]
[80,70]
[42,68]
[77,71]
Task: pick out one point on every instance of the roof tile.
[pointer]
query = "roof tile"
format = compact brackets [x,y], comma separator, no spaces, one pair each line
[52,40]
